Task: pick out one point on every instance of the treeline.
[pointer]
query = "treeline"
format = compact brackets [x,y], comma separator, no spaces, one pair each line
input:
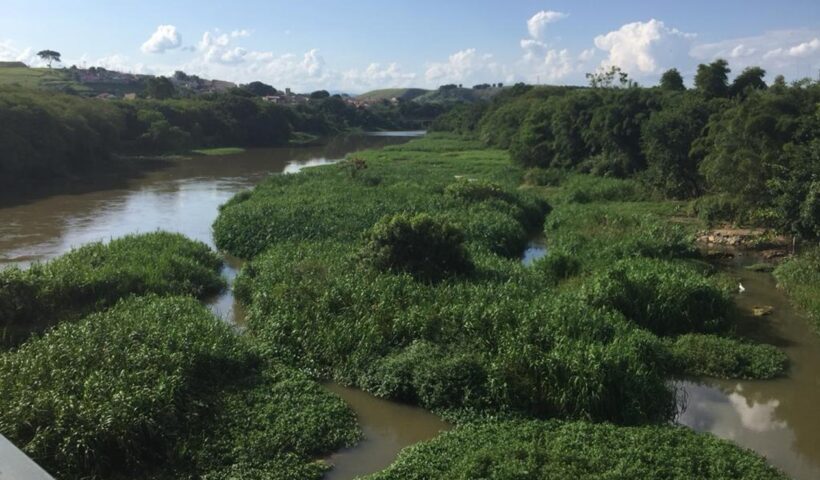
[44,135]
[748,151]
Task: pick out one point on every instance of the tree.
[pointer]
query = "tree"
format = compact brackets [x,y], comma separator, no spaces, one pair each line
[750,79]
[319,95]
[159,88]
[612,78]
[713,80]
[49,56]
[260,89]
[672,80]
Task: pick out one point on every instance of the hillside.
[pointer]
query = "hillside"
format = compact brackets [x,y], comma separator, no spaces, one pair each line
[439,96]
[391,93]
[98,81]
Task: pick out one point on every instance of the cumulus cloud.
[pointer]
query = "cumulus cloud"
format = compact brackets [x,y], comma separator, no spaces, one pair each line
[377,76]
[537,24]
[793,53]
[163,39]
[9,52]
[645,48]
[466,66]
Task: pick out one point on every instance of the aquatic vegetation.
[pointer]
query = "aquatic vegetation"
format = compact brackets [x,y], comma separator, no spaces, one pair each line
[328,203]
[721,357]
[800,278]
[97,275]
[667,298]
[539,449]
[158,385]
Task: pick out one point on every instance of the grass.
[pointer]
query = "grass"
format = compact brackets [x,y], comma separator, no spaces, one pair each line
[720,357]
[160,388]
[49,78]
[97,275]
[541,450]
[219,152]
[800,278]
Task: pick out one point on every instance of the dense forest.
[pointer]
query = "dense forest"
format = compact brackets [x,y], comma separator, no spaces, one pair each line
[46,135]
[747,151]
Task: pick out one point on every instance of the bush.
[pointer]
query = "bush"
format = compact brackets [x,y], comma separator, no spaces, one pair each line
[421,245]
[475,191]
[664,297]
[544,177]
[714,209]
[552,450]
[718,357]
[97,275]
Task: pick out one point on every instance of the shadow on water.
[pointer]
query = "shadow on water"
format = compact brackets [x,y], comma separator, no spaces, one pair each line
[777,418]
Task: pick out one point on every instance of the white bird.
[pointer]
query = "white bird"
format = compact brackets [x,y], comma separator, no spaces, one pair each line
[741,288]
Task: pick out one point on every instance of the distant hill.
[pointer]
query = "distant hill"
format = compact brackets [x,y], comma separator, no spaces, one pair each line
[391,93]
[439,96]
[97,81]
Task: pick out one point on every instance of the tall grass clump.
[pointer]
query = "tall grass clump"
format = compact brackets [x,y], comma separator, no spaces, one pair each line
[665,297]
[97,275]
[157,385]
[720,357]
[800,278]
[538,449]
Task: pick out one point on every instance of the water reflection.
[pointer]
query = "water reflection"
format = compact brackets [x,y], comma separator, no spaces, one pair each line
[536,249]
[777,418]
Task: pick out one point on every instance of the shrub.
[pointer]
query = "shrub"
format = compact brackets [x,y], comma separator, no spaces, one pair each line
[664,297]
[475,190]
[714,209]
[544,177]
[718,357]
[541,450]
[421,245]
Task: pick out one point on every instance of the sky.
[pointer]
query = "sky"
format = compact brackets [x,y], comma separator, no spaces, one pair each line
[360,45]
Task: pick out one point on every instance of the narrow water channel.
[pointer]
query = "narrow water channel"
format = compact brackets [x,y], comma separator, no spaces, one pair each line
[184,197]
[780,419]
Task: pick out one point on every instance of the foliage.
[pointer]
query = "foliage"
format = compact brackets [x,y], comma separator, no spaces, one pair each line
[160,385]
[541,450]
[667,298]
[712,80]
[97,275]
[421,245]
[720,357]
[800,278]
[672,81]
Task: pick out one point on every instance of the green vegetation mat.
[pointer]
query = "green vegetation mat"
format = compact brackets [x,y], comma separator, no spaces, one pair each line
[159,388]
[800,278]
[554,450]
[97,275]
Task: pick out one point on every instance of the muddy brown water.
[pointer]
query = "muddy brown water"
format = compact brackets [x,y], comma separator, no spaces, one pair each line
[779,419]
[184,196]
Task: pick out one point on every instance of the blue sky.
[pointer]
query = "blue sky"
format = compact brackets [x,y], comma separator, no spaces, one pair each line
[360,45]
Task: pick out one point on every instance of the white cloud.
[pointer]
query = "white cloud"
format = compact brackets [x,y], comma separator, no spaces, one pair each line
[467,67]
[537,24]
[645,48]
[164,38]
[792,53]
[9,52]
[377,76]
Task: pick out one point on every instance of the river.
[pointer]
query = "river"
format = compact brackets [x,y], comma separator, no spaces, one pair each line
[184,196]
[779,418]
